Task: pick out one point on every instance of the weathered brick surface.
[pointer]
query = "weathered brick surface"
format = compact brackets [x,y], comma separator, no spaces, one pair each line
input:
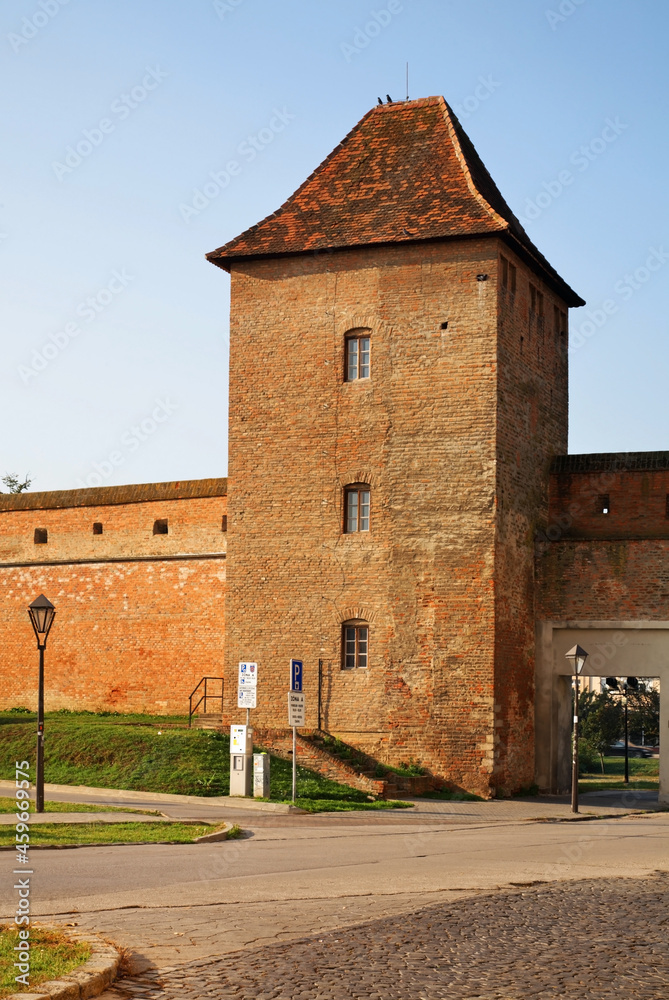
[137,625]
[615,566]
[454,432]
[637,500]
[532,418]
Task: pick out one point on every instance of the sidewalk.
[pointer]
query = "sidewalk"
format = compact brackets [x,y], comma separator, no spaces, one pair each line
[212,808]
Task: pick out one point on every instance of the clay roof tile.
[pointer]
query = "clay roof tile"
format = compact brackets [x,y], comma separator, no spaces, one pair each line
[406,172]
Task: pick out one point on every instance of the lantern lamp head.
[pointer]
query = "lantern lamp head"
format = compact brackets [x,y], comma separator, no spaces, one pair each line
[42,614]
[577,657]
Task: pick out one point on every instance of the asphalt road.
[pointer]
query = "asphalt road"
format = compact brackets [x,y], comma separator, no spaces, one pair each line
[182,903]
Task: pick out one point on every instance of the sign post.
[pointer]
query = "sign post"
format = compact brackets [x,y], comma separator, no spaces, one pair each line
[247,687]
[296,710]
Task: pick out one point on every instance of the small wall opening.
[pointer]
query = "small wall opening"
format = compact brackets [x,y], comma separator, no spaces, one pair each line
[160,526]
[97,527]
[41,536]
[603,503]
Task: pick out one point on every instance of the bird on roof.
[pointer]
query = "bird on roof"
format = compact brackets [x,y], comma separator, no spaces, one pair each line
[379,101]
[389,99]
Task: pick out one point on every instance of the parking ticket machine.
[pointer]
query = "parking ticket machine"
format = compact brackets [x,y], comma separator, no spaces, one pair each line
[241,760]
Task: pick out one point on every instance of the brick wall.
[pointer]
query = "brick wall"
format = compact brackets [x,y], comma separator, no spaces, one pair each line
[531,428]
[632,487]
[139,617]
[423,432]
[606,566]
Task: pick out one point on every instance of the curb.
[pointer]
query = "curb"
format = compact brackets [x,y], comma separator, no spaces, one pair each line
[210,838]
[88,980]
[113,794]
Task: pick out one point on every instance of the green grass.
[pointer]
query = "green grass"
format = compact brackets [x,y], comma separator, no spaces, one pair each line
[52,954]
[644,774]
[111,751]
[8,805]
[51,834]
[341,805]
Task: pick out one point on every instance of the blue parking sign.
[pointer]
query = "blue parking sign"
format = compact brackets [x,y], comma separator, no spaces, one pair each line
[296,675]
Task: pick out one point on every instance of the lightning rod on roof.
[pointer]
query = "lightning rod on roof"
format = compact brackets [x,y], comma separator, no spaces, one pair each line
[407,81]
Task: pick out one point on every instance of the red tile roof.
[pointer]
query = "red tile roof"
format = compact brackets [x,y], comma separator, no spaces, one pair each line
[407,172]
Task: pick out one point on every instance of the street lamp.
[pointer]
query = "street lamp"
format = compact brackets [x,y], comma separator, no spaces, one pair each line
[42,614]
[577,657]
[630,684]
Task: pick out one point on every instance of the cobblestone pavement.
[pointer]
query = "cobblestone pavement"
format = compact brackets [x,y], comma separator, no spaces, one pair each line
[593,939]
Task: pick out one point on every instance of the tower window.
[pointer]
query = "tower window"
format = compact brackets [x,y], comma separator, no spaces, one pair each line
[357,357]
[355,644]
[603,504]
[357,502]
[559,321]
[41,536]
[160,526]
[508,276]
[97,527]
[666,506]
[224,523]
[536,302]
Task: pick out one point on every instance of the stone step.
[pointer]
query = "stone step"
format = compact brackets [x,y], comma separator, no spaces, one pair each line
[208,720]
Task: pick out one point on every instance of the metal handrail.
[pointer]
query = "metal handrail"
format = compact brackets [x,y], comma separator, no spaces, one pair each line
[192,709]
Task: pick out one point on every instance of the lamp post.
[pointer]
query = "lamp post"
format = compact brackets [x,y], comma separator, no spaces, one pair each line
[577,657]
[630,684]
[42,614]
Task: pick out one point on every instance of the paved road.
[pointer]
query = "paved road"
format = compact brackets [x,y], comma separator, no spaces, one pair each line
[591,939]
[175,904]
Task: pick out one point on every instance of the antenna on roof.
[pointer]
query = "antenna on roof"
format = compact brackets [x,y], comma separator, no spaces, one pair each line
[407,81]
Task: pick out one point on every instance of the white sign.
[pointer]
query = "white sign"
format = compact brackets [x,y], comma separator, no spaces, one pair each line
[248,675]
[246,697]
[296,709]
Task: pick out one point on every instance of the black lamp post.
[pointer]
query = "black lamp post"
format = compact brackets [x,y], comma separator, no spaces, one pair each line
[630,684]
[42,614]
[577,657]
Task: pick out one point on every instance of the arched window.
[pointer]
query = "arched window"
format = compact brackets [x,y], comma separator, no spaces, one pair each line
[357,507]
[354,644]
[358,357]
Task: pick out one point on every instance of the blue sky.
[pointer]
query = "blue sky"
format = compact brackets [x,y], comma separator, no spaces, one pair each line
[114,327]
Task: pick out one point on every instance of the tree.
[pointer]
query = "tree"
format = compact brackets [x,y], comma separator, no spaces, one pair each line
[601,721]
[644,714]
[14,484]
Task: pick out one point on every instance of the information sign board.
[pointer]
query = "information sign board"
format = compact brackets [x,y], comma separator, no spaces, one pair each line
[248,675]
[296,709]
[246,697]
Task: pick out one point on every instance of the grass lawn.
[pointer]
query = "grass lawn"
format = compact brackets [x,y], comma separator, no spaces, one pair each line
[644,773]
[52,954]
[46,834]
[8,805]
[153,754]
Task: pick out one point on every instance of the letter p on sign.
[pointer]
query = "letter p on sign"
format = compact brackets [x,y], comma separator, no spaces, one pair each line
[296,675]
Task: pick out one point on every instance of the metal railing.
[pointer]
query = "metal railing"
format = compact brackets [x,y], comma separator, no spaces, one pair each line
[204,697]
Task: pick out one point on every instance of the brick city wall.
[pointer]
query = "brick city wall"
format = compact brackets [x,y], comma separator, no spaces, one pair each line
[139,616]
[614,566]
[422,433]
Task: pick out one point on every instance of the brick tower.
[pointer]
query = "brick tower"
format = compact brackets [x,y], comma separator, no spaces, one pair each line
[398,387]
